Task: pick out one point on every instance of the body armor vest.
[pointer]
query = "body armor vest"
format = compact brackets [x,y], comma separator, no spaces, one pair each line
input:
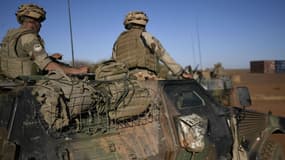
[132,51]
[14,63]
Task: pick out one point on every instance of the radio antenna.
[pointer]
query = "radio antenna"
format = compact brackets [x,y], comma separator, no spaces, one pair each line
[70,29]
[193,49]
[199,47]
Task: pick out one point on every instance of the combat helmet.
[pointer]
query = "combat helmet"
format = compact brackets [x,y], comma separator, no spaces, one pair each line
[32,11]
[136,17]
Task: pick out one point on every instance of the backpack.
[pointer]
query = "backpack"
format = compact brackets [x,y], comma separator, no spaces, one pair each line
[112,70]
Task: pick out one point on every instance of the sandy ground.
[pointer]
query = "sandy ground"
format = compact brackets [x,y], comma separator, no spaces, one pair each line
[267,93]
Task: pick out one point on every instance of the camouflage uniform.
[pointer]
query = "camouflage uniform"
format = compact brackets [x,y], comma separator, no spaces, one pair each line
[23,53]
[141,51]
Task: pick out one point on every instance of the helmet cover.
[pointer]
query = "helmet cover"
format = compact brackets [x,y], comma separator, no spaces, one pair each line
[136,17]
[32,11]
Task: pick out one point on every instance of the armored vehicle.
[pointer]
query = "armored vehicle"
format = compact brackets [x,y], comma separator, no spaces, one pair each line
[166,119]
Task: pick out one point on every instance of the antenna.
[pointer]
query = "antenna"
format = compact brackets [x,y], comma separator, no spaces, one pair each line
[193,49]
[199,47]
[70,29]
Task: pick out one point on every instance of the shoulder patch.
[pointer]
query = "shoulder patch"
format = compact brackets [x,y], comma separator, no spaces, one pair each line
[38,47]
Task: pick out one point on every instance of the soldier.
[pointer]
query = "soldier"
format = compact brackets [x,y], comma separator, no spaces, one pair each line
[22,50]
[218,70]
[140,51]
[23,54]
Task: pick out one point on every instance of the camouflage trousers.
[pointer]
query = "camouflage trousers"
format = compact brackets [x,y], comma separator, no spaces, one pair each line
[63,98]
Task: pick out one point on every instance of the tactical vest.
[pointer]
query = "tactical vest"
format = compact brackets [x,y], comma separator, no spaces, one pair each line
[132,51]
[14,64]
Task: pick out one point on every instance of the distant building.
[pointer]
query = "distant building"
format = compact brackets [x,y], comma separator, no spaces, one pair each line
[267,66]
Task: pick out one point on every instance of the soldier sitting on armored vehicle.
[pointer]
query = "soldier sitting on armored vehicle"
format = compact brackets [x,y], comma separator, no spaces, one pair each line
[141,52]
[23,54]
[23,47]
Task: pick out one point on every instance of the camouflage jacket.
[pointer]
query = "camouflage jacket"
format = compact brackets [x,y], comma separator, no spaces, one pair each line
[22,53]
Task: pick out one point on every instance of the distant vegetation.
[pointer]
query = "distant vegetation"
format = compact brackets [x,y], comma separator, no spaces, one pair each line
[91,65]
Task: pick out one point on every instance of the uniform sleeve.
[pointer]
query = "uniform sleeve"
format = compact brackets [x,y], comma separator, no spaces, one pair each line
[162,54]
[32,45]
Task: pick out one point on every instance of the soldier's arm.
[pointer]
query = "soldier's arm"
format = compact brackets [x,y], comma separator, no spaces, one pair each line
[68,70]
[32,45]
[158,49]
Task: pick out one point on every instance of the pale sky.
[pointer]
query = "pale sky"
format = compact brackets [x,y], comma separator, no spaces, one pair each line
[204,32]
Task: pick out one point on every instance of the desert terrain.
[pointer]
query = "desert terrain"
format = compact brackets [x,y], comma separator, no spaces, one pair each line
[267,92]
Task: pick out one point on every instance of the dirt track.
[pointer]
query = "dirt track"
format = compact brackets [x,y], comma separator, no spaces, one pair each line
[267,93]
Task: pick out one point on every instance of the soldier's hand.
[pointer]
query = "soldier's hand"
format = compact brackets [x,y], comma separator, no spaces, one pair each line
[57,56]
[187,75]
[83,69]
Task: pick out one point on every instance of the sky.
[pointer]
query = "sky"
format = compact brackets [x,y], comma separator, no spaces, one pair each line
[194,32]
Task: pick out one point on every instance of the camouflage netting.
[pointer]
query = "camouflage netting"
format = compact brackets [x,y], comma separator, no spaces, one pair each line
[113,94]
[127,97]
[133,99]
[63,98]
